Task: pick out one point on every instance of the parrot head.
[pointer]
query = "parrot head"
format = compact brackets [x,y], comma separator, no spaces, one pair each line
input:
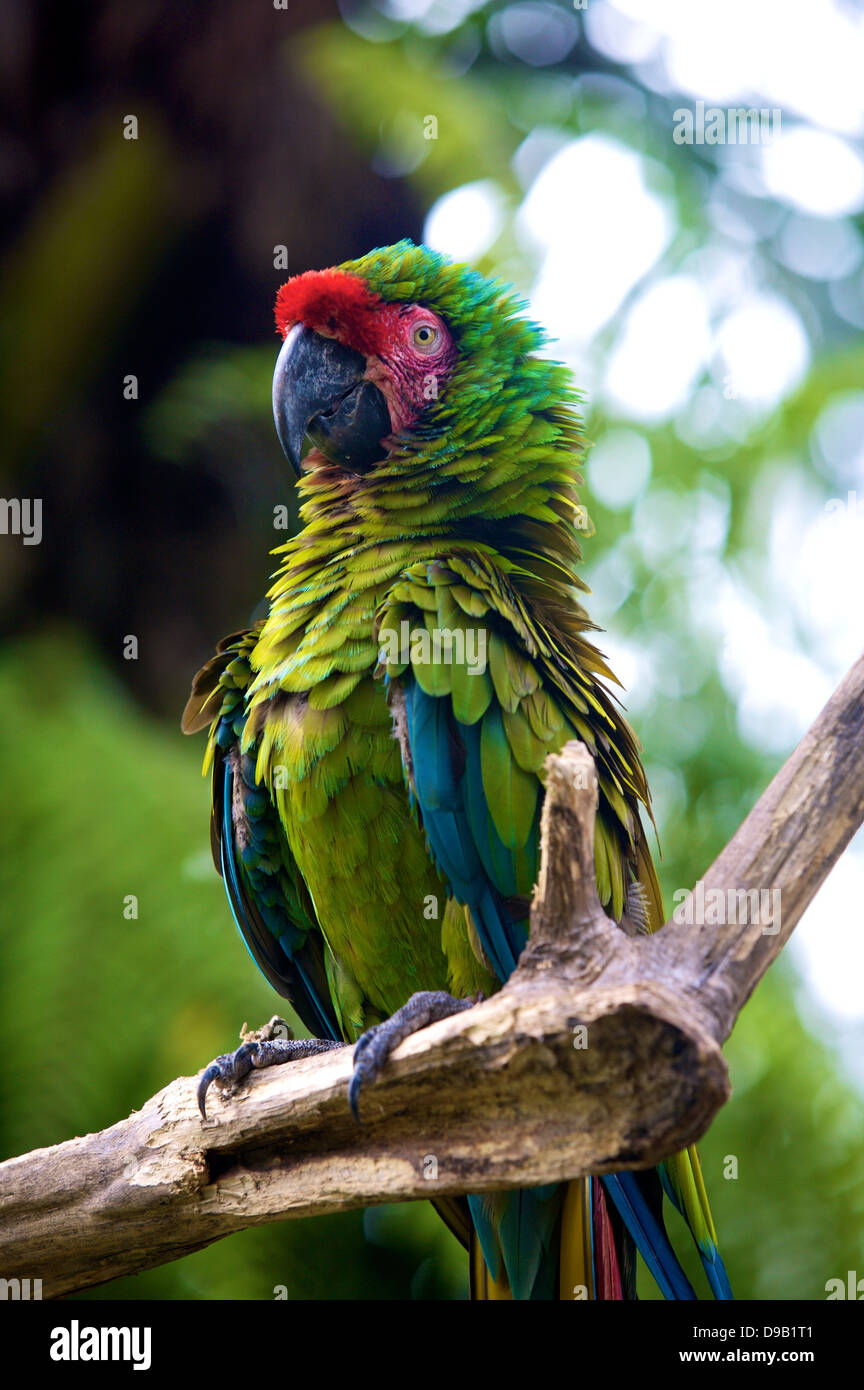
[377,353]
[353,368]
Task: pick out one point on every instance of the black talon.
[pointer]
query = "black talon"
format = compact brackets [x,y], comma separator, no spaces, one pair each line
[367,1062]
[269,1052]
[354,1094]
[209,1076]
[374,1046]
[232,1067]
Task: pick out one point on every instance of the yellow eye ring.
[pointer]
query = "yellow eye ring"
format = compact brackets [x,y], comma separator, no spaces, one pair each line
[425,337]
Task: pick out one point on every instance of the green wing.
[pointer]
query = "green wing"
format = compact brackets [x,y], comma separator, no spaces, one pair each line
[266,892]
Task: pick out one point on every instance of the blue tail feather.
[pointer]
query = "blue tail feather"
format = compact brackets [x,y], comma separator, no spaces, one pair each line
[651,1240]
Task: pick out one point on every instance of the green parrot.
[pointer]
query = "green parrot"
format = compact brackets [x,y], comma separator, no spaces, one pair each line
[377,742]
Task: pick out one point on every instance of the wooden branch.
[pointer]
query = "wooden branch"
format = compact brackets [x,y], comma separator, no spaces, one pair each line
[601,1052]
[787,846]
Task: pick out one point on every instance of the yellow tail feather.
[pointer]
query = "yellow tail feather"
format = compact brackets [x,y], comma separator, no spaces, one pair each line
[577,1271]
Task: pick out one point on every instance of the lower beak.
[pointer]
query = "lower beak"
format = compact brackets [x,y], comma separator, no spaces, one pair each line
[319,390]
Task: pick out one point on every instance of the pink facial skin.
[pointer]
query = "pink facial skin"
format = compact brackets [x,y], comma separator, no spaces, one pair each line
[416,354]
[409,350]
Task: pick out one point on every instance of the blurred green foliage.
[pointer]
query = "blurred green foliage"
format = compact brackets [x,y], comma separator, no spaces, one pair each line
[93,240]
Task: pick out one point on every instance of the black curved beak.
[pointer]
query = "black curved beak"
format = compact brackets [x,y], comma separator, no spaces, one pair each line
[319,391]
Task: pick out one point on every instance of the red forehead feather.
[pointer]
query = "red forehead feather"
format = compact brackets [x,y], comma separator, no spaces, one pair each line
[332,302]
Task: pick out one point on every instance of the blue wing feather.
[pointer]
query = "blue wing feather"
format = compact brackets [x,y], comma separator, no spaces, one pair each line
[277,946]
[444,806]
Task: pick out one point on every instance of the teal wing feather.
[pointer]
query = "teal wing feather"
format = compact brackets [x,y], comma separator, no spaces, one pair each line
[482,712]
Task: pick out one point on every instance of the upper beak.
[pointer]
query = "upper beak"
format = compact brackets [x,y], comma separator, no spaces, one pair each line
[319,389]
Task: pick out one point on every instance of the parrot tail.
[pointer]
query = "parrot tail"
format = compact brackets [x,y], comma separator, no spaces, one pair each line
[578,1240]
[563,1242]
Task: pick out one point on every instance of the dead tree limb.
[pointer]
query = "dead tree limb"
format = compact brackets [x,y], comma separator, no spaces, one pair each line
[602,1052]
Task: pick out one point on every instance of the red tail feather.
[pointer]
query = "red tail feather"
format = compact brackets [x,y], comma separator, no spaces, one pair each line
[607,1270]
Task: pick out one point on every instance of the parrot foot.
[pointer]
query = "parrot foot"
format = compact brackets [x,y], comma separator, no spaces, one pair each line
[269,1046]
[374,1046]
